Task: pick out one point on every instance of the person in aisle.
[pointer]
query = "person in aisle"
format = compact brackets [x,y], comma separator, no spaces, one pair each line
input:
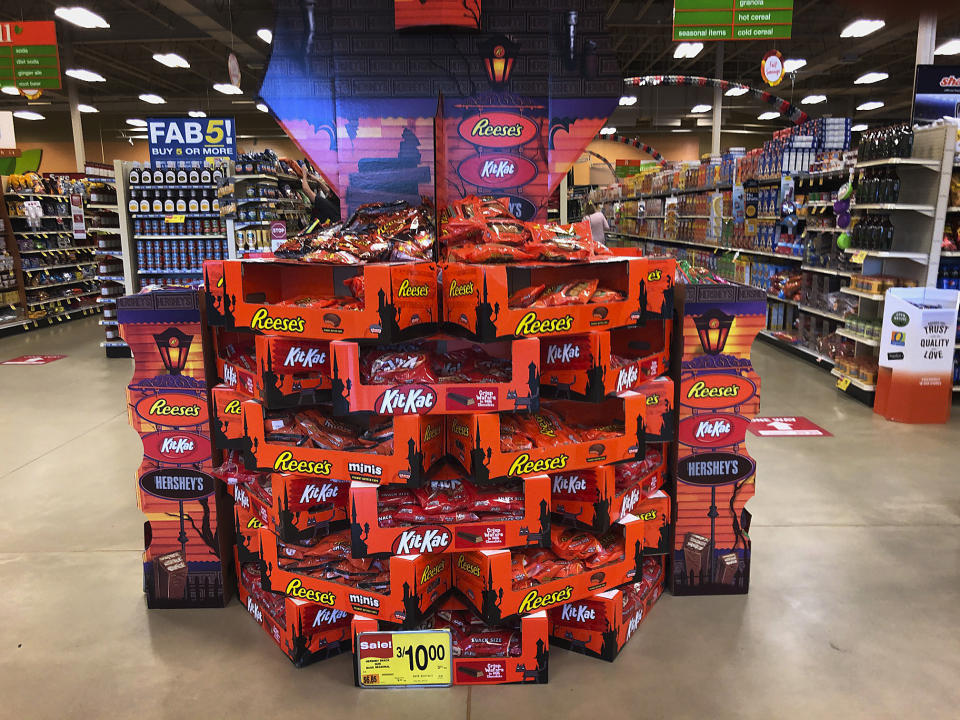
[324,203]
[598,222]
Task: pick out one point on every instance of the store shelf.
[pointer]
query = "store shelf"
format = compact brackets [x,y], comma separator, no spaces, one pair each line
[172,186]
[949,253]
[863,339]
[111,278]
[826,271]
[894,207]
[914,162]
[878,297]
[854,381]
[118,253]
[255,176]
[47,268]
[63,249]
[822,313]
[40,217]
[107,231]
[953,209]
[693,217]
[98,206]
[31,196]
[157,216]
[60,284]
[252,223]
[819,204]
[822,230]
[799,350]
[703,246]
[44,233]
[890,254]
[782,300]
[49,319]
[178,237]
[198,271]
[63,298]
[109,322]
[111,300]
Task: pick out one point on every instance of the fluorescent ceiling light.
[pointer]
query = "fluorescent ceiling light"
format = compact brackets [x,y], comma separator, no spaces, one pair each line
[870,105]
[81,16]
[737,91]
[136,122]
[227,89]
[9,90]
[951,47]
[681,130]
[86,108]
[687,50]
[152,99]
[171,60]
[813,99]
[265,35]
[85,75]
[859,128]
[861,28]
[262,108]
[769,115]
[197,113]
[628,100]
[793,64]
[28,115]
[608,130]
[701,108]
[870,78]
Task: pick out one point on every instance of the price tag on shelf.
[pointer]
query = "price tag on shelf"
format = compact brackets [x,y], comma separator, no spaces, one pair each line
[843,383]
[405,658]
[859,256]
[174,219]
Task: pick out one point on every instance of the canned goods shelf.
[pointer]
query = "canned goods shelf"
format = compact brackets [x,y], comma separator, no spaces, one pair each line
[170,272]
[179,237]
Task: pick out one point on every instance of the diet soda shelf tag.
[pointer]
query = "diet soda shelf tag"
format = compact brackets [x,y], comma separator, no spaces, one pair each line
[786,427]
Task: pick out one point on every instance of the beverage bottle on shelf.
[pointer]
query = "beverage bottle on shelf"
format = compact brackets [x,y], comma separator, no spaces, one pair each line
[181,202]
[205,175]
[133,205]
[157,201]
[168,203]
[906,141]
[134,176]
[181,174]
[205,202]
[215,204]
[218,172]
[894,191]
[145,201]
[886,234]
[157,175]
[194,176]
[170,176]
[193,205]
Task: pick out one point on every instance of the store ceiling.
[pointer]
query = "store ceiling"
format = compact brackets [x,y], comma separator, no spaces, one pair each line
[205,31]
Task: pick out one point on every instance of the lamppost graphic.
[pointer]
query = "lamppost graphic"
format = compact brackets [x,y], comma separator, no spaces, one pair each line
[174,346]
[498,55]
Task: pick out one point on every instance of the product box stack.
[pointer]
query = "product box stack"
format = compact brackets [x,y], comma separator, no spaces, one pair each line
[473,447]
[186,546]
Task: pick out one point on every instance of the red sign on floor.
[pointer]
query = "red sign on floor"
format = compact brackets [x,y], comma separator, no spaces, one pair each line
[32,360]
[786,427]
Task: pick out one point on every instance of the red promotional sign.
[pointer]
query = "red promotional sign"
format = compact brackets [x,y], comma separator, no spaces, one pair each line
[32,360]
[176,448]
[497,170]
[786,427]
[713,430]
[498,129]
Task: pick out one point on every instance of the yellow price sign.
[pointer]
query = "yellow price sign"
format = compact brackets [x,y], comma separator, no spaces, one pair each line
[843,383]
[174,219]
[405,658]
[859,257]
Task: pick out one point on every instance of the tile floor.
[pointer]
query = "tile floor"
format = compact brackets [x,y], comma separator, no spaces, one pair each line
[852,611]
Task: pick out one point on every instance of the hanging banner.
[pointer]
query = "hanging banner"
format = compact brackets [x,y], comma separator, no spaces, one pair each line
[29,56]
[192,139]
[937,93]
[705,20]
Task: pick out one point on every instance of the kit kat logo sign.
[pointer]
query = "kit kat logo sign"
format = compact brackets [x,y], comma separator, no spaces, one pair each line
[714,468]
[177,484]
[409,399]
[172,409]
[498,129]
[497,170]
[713,430]
[176,448]
[422,539]
[716,390]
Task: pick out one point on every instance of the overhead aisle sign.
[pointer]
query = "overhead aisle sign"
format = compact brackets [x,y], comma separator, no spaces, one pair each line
[29,57]
[176,139]
[705,20]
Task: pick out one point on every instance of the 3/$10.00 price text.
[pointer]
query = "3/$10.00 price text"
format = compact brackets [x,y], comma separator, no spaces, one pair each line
[420,656]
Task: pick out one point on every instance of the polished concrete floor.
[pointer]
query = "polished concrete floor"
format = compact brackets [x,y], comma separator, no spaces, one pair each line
[852,613]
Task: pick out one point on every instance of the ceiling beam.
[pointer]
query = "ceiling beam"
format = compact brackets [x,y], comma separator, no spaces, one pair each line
[200,20]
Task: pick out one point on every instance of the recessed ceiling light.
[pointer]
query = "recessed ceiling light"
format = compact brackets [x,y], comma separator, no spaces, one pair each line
[769,115]
[171,60]
[86,108]
[152,99]
[136,122]
[687,50]
[861,28]
[197,113]
[870,105]
[701,108]
[628,100]
[951,47]
[9,90]
[28,115]
[265,35]
[793,64]
[813,99]
[737,91]
[262,108]
[870,78]
[227,89]
[85,75]
[859,128]
[608,130]
[81,16]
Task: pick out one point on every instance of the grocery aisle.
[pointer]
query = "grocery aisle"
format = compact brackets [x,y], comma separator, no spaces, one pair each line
[851,608]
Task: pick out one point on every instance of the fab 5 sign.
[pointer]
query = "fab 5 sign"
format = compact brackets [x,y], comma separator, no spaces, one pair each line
[194,139]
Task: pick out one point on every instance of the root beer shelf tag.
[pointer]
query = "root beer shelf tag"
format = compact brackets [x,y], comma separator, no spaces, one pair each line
[407,658]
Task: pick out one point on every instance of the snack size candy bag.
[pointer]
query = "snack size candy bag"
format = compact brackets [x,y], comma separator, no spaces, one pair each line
[443,496]
[573,544]
[415,516]
[546,429]
[601,432]
[577,292]
[506,499]
[356,286]
[512,437]
[393,496]
[605,295]
[611,550]
[394,367]
[488,643]
[488,252]
[525,296]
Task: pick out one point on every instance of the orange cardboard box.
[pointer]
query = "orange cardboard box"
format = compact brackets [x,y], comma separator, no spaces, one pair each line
[400,299]
[522,391]
[418,443]
[417,582]
[533,529]
[226,425]
[485,579]
[476,297]
[306,632]
[581,366]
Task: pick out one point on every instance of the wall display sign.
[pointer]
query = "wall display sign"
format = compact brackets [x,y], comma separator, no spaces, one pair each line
[786,427]
[937,93]
[771,68]
[29,57]
[411,658]
[191,139]
[705,20]
[76,216]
